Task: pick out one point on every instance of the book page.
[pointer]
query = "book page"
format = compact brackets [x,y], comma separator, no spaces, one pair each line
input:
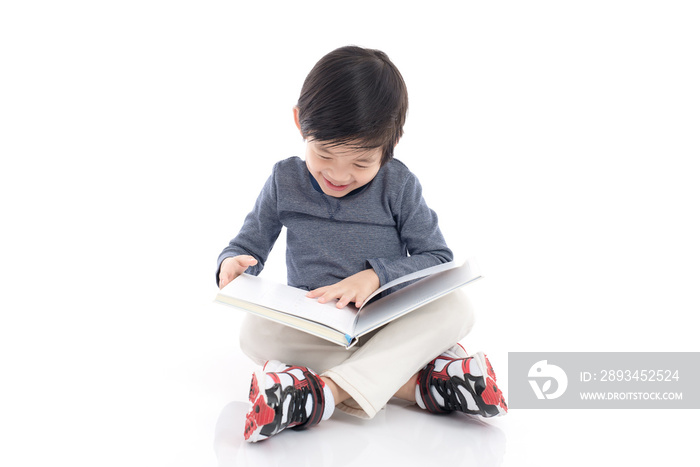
[410,277]
[290,300]
[414,296]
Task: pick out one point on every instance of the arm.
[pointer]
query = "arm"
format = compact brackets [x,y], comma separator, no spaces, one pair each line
[420,233]
[251,247]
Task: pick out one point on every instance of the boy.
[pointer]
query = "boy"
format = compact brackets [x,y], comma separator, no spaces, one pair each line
[355,219]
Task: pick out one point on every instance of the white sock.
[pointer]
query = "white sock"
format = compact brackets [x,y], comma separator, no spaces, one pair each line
[328,404]
[419,399]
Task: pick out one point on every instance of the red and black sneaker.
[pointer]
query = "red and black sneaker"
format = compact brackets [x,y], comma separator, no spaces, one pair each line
[284,396]
[460,384]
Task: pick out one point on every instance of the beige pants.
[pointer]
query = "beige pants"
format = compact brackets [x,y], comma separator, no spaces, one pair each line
[374,369]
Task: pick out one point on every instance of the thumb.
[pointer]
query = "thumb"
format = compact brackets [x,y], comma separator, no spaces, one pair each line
[244,262]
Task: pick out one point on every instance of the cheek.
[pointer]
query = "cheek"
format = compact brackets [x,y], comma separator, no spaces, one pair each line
[312,165]
[365,177]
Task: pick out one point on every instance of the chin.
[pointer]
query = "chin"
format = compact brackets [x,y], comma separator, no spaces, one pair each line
[336,194]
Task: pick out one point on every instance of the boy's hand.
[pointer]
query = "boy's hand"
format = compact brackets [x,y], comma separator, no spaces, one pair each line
[354,288]
[233,267]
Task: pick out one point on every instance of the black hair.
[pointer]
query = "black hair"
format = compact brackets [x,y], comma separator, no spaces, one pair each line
[356,97]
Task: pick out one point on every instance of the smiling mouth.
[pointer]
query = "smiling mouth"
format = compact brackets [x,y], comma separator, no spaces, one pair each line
[333,186]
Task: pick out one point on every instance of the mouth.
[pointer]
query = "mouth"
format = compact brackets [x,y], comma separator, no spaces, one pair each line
[333,186]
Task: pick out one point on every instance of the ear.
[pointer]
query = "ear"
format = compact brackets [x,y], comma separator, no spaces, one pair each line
[296,120]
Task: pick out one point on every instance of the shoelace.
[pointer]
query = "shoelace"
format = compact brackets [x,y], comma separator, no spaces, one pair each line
[450,393]
[296,416]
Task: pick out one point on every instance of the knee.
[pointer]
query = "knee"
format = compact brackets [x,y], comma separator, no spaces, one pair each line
[468,316]
[458,313]
[252,338]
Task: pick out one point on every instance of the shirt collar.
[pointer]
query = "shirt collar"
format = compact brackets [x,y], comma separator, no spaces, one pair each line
[317,187]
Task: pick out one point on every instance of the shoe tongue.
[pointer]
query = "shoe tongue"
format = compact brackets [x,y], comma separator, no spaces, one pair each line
[474,366]
[440,363]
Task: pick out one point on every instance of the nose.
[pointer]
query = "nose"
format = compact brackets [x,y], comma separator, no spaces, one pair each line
[337,175]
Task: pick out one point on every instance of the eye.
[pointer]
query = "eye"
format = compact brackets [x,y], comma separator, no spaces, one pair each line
[359,166]
[325,158]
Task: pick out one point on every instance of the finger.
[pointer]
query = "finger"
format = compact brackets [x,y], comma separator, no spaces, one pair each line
[330,294]
[226,277]
[344,300]
[359,301]
[316,292]
[244,263]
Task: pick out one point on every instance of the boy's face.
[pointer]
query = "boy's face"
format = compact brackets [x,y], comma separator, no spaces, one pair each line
[340,169]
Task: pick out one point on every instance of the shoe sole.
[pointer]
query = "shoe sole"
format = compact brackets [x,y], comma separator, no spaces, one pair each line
[491,392]
[260,414]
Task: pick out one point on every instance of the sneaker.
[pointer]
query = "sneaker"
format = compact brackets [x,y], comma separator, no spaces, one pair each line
[464,384]
[285,396]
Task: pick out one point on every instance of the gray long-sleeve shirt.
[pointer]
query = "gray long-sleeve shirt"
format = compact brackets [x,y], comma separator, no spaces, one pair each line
[385,225]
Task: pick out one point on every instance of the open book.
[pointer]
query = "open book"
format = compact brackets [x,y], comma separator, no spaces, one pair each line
[290,306]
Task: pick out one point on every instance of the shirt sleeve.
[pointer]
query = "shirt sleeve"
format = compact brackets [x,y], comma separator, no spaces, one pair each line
[260,230]
[419,231]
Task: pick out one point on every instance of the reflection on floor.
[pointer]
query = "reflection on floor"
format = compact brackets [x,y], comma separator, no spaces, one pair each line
[399,433]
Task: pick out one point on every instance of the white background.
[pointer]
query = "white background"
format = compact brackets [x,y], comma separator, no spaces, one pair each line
[558,142]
